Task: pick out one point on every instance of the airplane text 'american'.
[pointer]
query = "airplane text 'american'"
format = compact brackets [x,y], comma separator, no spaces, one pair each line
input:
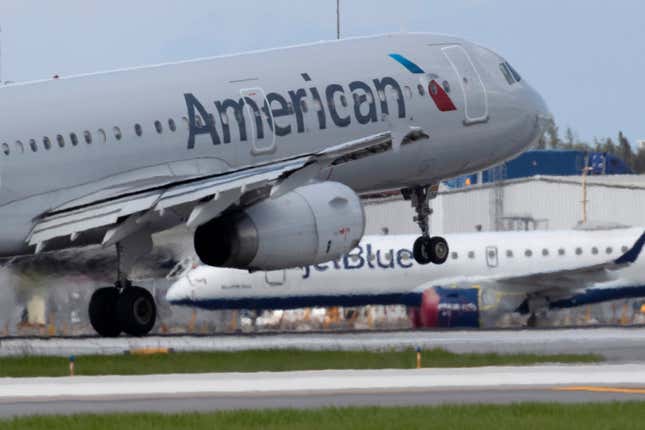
[336,105]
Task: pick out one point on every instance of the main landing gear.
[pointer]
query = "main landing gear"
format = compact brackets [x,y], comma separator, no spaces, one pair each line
[426,249]
[123,307]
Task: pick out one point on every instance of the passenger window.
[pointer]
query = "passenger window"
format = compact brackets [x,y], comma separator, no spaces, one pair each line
[594,250]
[117,133]
[509,253]
[185,121]
[561,251]
[5,149]
[609,250]
[61,140]
[88,137]
[343,100]
[102,135]
[46,142]
[528,253]
[624,249]
[446,86]
[381,95]
[224,118]
[303,105]
[455,256]
[34,147]
[408,92]
[158,127]
[20,147]
[420,90]
[73,138]
[545,252]
[198,121]
[471,254]
[171,125]
[138,130]
[578,251]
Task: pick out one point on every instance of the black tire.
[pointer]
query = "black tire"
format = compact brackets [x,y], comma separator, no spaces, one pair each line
[421,250]
[136,311]
[102,312]
[439,250]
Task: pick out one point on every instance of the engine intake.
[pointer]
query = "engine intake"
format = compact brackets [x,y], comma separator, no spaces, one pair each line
[309,225]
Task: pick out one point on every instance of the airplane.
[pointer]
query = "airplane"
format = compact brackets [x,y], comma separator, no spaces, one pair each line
[260,155]
[487,274]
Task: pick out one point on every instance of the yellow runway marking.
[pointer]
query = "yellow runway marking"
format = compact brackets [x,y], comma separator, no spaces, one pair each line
[603,389]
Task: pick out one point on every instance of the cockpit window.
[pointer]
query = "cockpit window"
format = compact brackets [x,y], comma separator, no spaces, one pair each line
[507,73]
[514,72]
[510,73]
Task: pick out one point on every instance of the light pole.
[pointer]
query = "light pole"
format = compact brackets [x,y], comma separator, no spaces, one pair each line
[338,19]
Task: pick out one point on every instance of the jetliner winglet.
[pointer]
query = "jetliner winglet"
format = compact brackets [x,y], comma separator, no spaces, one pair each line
[632,255]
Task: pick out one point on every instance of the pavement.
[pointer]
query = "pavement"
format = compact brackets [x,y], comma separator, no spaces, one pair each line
[617,344]
[224,391]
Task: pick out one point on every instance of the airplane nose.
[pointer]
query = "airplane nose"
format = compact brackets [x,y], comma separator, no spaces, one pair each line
[178,291]
[543,115]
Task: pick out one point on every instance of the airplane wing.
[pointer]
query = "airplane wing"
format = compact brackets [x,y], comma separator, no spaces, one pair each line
[203,198]
[576,277]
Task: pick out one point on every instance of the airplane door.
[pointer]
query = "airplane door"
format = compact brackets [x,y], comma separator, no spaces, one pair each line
[259,120]
[475,97]
[275,278]
[492,257]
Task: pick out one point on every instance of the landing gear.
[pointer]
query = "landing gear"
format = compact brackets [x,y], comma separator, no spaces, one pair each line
[131,310]
[124,307]
[103,312]
[430,250]
[426,249]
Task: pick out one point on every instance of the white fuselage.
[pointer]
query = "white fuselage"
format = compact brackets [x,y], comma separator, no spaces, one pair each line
[381,270]
[71,142]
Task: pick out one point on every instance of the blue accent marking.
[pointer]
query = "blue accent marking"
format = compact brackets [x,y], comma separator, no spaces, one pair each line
[632,255]
[412,68]
[296,302]
[600,295]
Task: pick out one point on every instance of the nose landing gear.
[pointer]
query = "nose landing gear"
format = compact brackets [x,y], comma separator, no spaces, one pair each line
[426,249]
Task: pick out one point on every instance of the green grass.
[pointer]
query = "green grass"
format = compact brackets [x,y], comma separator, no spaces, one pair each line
[266,360]
[529,416]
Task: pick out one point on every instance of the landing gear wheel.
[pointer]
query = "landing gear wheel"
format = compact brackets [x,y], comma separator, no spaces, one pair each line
[430,250]
[439,250]
[136,311]
[421,250]
[102,312]
[532,321]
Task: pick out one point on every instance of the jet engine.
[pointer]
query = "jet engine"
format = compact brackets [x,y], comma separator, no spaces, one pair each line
[447,308]
[308,225]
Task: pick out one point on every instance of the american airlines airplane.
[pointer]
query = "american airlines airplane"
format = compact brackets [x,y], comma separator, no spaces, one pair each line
[526,272]
[261,155]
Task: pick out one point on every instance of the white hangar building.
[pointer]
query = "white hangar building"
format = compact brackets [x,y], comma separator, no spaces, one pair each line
[539,202]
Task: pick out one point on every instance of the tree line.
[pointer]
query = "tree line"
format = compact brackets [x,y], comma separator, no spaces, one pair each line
[620,148]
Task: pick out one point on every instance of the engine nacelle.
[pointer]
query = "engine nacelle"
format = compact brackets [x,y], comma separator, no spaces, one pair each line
[309,225]
[447,308]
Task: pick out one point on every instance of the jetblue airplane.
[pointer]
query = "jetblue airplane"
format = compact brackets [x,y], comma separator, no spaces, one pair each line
[261,155]
[526,272]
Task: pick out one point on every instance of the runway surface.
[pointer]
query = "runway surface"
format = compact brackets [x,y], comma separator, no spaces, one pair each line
[615,344]
[209,392]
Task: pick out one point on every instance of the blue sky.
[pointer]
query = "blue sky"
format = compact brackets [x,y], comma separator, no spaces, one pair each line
[586,57]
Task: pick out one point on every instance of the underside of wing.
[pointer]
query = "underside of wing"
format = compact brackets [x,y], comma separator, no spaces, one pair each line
[197,201]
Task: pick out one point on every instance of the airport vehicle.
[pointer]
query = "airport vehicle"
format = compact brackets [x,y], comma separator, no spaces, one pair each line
[261,155]
[526,272]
